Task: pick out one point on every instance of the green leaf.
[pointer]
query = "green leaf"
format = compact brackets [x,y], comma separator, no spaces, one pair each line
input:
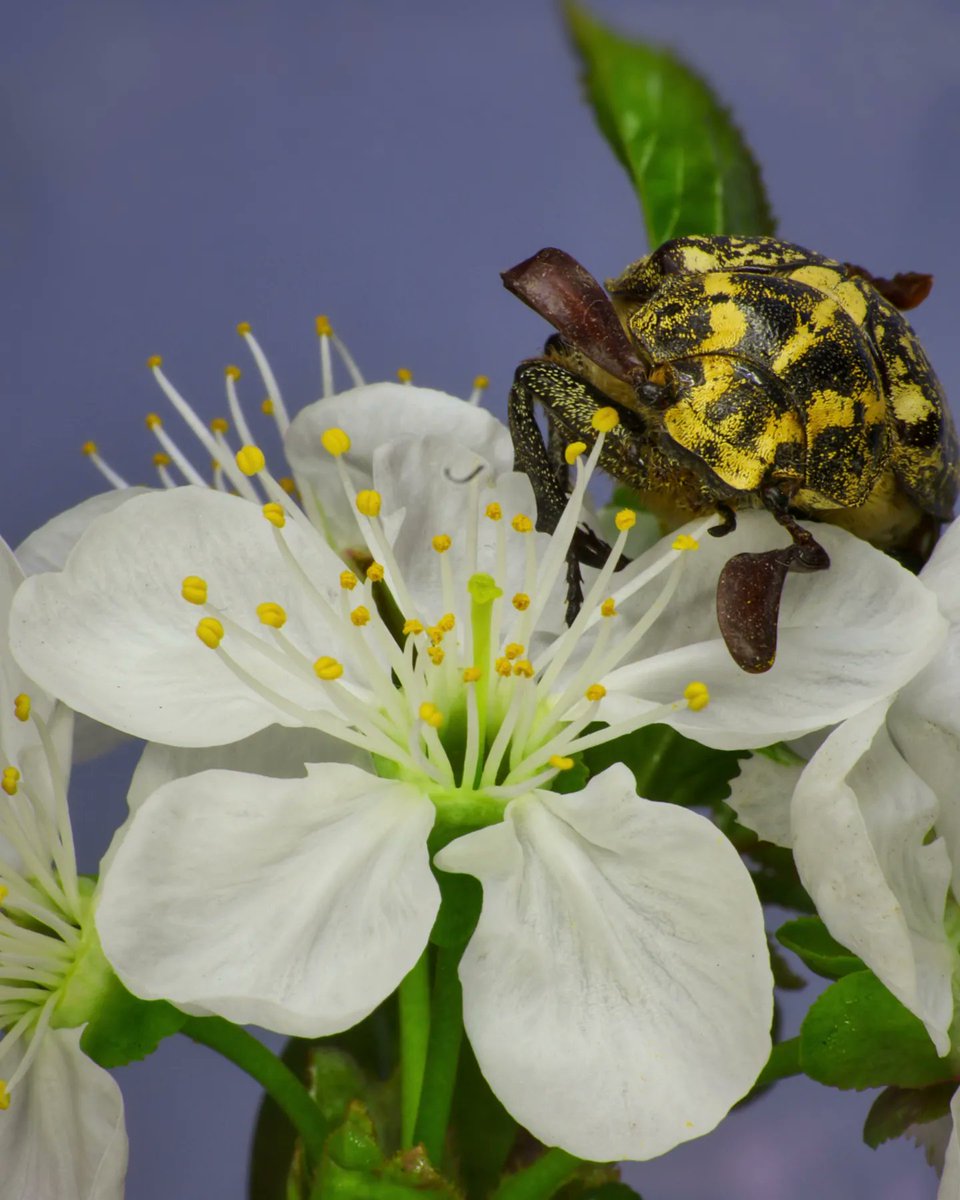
[811,941]
[896,1109]
[858,1035]
[668,766]
[688,162]
[126,1029]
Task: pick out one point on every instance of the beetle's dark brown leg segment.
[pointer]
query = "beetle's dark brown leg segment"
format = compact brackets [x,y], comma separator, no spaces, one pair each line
[728,521]
[750,588]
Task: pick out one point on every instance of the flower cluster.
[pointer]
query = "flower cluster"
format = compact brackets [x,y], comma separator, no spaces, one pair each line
[357,682]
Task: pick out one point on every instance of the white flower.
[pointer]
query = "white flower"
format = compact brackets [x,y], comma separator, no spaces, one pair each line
[617,988]
[62,1133]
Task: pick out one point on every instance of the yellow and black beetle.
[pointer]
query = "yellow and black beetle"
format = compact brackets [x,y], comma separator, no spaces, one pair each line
[746,372]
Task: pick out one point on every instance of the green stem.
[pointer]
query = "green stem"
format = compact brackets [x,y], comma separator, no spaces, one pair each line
[783,1062]
[541,1179]
[277,1079]
[443,1055]
[414,1036]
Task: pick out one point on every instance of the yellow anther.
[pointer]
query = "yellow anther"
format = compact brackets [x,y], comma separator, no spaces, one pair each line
[214,463]
[368,503]
[436,654]
[493,511]
[435,634]
[289,485]
[89,448]
[324,328]
[160,459]
[608,608]
[232,372]
[431,714]
[481,382]
[447,622]
[412,626]
[405,375]
[441,542]
[697,695]
[194,589]
[683,541]
[348,581]
[154,361]
[21,707]
[220,425]
[522,523]
[503,666]
[375,572]
[524,667]
[560,762]
[4,1095]
[328,668]
[471,674]
[153,421]
[9,780]
[513,650]
[360,615]
[625,519]
[596,691]
[521,602]
[243,328]
[573,452]
[605,419]
[266,406]
[274,514]
[210,632]
[272,614]
[250,459]
[335,441]
[4,892]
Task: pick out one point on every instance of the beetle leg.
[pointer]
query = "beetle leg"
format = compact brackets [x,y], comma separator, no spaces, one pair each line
[569,403]
[750,588]
[728,521]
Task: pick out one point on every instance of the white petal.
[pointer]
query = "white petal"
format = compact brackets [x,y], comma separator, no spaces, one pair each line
[295,904]
[113,637]
[47,548]
[63,1136]
[860,819]
[279,752]
[942,571]
[848,636]
[617,990]
[761,794]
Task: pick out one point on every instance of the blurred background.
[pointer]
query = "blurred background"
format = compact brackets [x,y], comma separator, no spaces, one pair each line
[172,169]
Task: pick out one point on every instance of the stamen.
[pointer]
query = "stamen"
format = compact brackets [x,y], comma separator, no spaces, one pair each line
[625,519]
[431,714]
[210,632]
[250,460]
[573,452]
[441,542]
[521,602]
[368,502]
[697,695]
[112,477]
[324,333]
[480,385]
[360,615]
[194,590]
[9,780]
[471,674]
[327,668]
[412,626]
[522,523]
[275,515]
[605,419]
[272,614]
[595,692]
[405,375]
[493,511]
[608,608]
[267,375]
[231,375]
[683,541]
[513,650]
[335,441]
[22,706]
[375,572]
[561,762]
[348,581]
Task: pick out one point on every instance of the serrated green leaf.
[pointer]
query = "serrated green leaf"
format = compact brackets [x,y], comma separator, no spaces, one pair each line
[858,1035]
[668,766]
[896,1109]
[688,163]
[125,1029]
[811,941]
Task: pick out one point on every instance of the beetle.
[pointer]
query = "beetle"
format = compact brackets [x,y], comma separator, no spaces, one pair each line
[746,372]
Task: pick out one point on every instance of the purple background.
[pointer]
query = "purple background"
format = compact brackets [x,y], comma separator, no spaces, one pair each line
[170,169]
